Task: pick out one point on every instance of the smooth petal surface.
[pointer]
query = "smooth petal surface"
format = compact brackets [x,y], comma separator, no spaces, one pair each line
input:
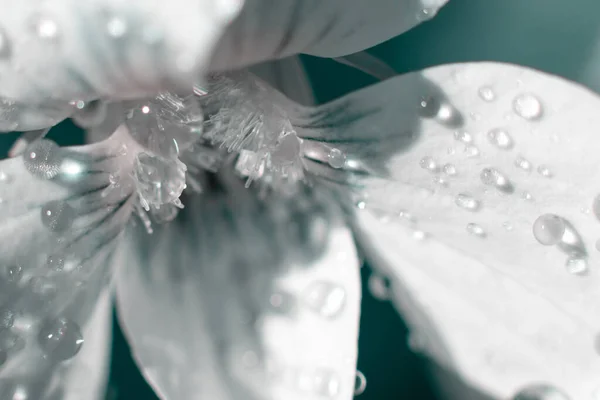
[58,226]
[551,35]
[267,29]
[289,77]
[51,54]
[240,298]
[452,167]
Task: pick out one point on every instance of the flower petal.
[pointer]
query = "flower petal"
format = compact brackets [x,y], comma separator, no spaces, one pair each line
[559,37]
[241,298]
[273,29]
[58,228]
[289,77]
[72,50]
[453,166]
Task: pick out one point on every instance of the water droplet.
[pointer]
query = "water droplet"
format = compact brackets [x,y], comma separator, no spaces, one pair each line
[528,106]
[360,383]
[508,226]
[429,164]
[467,202]
[46,28]
[493,177]
[500,139]
[526,196]
[166,213]
[60,339]
[476,230]
[425,14]
[91,114]
[58,216]
[13,273]
[450,170]
[55,262]
[116,27]
[429,107]
[486,93]
[4,177]
[549,229]
[43,159]
[361,205]
[463,136]
[472,151]
[325,298]
[336,158]
[379,287]
[540,392]
[577,265]
[544,171]
[522,163]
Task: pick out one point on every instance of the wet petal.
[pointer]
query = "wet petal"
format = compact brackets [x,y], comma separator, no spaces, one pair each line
[72,50]
[289,77]
[59,225]
[273,29]
[452,169]
[241,298]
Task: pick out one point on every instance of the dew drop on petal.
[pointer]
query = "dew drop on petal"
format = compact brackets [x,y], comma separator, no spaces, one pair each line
[429,164]
[336,158]
[522,163]
[60,339]
[361,205]
[360,383]
[493,177]
[486,93]
[43,159]
[55,262]
[450,169]
[472,151]
[426,14]
[476,230]
[577,266]
[116,27]
[379,287]
[13,273]
[549,229]
[58,216]
[463,136]
[467,202]
[500,138]
[429,107]
[544,171]
[540,392]
[528,106]
[325,298]
[526,196]
[46,28]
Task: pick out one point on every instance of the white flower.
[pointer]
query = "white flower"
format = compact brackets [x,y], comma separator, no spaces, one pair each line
[472,187]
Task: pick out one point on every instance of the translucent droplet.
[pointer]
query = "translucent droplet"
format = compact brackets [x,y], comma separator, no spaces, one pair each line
[500,138]
[361,205]
[522,163]
[60,339]
[467,202]
[325,298]
[472,151]
[360,383]
[577,266]
[486,93]
[549,229]
[43,159]
[540,392]
[440,180]
[526,196]
[116,27]
[493,177]
[429,107]
[158,180]
[166,213]
[56,262]
[379,287]
[58,216]
[336,158]
[4,177]
[528,106]
[450,170]
[476,230]
[91,115]
[425,14]
[463,136]
[544,171]
[428,163]
[46,28]
[13,273]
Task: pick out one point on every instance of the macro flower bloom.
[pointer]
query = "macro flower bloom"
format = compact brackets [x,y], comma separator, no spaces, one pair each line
[230,215]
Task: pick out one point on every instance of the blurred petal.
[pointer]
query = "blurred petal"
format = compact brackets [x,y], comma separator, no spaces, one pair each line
[267,29]
[289,77]
[58,227]
[72,50]
[552,35]
[241,298]
[474,155]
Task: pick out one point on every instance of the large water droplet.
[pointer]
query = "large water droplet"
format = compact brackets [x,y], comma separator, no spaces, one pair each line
[500,138]
[476,230]
[549,229]
[429,164]
[336,158]
[429,107]
[60,339]
[58,216]
[360,383]
[43,159]
[325,298]
[540,392]
[467,202]
[577,265]
[486,93]
[528,106]
[495,178]
[522,163]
